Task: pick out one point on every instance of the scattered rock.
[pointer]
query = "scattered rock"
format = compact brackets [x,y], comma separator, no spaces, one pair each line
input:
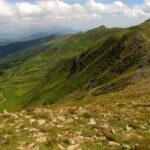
[128,128]
[75,126]
[41,140]
[31,145]
[33,130]
[126,147]
[92,121]
[9,115]
[31,121]
[61,118]
[69,121]
[71,141]
[112,143]
[61,147]
[41,122]
[73,147]
[20,148]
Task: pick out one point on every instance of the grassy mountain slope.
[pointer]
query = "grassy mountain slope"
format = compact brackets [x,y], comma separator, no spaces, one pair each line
[116,121]
[21,51]
[99,61]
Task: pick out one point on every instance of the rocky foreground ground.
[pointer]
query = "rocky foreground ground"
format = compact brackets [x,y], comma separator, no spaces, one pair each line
[106,124]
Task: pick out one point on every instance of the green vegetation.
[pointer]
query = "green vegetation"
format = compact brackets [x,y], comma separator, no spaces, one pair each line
[78,92]
[99,61]
[115,121]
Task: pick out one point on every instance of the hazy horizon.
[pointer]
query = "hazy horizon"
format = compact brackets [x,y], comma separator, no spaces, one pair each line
[23,18]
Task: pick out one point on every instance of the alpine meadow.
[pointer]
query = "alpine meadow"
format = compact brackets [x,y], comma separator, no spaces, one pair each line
[68,82]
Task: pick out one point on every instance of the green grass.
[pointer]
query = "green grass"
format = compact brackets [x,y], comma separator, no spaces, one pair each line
[47,74]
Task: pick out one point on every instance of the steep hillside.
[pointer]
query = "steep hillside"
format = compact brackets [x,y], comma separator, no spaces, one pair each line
[96,62]
[16,53]
[116,121]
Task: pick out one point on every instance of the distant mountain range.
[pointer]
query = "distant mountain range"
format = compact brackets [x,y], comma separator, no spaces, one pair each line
[14,47]
[5,41]
[32,33]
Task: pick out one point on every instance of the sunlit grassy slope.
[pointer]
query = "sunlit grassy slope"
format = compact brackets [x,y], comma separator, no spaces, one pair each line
[96,62]
[116,121]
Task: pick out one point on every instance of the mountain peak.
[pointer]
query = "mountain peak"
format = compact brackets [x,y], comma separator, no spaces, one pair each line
[102,27]
[147,21]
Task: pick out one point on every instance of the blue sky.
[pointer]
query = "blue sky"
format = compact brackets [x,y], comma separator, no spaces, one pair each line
[129,2]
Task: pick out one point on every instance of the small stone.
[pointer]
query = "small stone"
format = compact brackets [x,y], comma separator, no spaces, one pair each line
[112,143]
[103,138]
[36,148]
[40,134]
[21,143]
[20,148]
[25,129]
[113,131]
[41,140]
[73,147]
[6,136]
[32,121]
[54,120]
[2,126]
[59,135]
[59,126]
[27,117]
[17,131]
[143,127]
[41,122]
[128,128]
[31,145]
[76,118]
[126,147]
[72,141]
[70,121]
[92,122]
[61,118]
[33,130]
[61,147]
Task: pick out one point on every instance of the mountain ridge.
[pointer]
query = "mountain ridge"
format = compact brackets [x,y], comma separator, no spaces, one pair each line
[104,59]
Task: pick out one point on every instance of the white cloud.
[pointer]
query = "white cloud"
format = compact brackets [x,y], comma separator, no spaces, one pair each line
[58,12]
[147,2]
[118,8]
[6,9]
[28,9]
